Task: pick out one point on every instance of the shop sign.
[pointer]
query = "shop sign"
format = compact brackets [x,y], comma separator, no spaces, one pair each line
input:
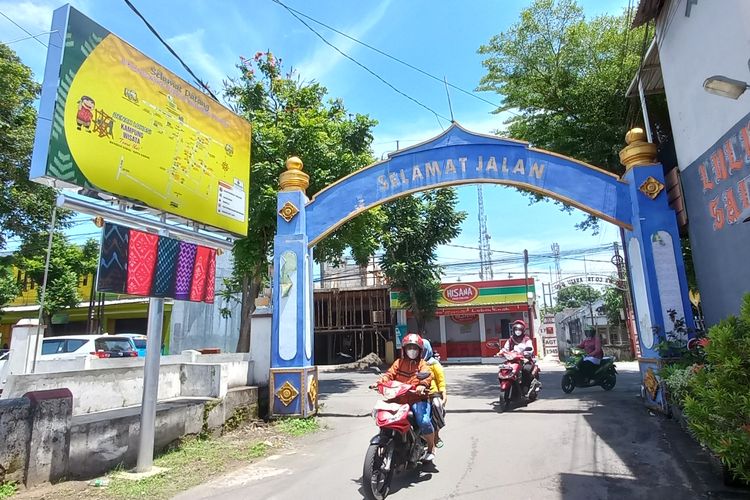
[460,293]
[464,319]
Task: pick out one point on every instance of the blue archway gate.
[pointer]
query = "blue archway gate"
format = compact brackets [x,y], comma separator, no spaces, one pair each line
[636,202]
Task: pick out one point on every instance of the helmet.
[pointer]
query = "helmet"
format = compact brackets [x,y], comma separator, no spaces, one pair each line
[514,328]
[589,332]
[412,339]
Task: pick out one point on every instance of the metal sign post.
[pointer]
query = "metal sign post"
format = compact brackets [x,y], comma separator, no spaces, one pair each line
[150,384]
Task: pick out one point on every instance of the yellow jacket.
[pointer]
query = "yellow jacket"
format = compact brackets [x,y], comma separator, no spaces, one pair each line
[438,377]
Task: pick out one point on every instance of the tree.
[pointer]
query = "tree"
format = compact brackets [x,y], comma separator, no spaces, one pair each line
[9,288]
[25,206]
[576,296]
[567,77]
[292,118]
[67,265]
[413,228]
[613,305]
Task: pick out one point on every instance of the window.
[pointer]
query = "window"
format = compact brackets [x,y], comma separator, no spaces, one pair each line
[53,346]
[140,343]
[113,344]
[74,344]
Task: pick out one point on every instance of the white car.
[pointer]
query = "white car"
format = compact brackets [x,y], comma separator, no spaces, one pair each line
[101,346]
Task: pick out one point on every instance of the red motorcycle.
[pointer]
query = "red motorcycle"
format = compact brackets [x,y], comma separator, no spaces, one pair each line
[398,446]
[509,374]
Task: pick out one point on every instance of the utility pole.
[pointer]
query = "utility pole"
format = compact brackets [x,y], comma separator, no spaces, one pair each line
[485,254]
[586,281]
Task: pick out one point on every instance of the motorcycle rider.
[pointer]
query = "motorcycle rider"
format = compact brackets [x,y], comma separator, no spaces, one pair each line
[405,370]
[438,395]
[518,342]
[593,347]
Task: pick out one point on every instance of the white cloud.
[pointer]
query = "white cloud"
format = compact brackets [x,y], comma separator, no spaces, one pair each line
[325,58]
[409,133]
[193,51]
[33,16]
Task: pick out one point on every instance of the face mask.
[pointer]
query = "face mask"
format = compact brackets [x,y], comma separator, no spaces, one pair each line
[517,333]
[412,353]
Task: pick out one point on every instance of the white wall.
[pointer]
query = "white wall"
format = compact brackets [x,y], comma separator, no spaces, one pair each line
[714,40]
[260,345]
[195,325]
[117,387]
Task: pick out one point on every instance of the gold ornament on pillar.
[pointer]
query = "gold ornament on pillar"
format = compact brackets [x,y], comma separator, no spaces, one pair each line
[638,151]
[294,179]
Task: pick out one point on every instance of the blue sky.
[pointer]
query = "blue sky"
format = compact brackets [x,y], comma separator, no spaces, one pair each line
[440,37]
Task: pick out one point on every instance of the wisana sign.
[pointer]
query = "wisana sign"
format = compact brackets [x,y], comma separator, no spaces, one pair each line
[460,293]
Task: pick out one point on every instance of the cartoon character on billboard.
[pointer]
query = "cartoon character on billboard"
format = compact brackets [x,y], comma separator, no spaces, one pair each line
[85,112]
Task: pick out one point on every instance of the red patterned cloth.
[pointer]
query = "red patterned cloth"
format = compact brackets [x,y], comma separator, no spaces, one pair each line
[200,272]
[141,262]
[211,278]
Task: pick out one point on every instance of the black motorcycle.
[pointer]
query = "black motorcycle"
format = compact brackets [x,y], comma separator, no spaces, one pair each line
[605,375]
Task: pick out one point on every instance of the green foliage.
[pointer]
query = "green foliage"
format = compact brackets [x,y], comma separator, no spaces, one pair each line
[7,490]
[613,304]
[25,206]
[298,426]
[677,378]
[291,117]
[718,402]
[68,264]
[566,76]
[9,288]
[576,296]
[413,228]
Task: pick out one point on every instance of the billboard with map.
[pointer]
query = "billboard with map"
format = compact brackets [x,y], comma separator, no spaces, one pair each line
[114,121]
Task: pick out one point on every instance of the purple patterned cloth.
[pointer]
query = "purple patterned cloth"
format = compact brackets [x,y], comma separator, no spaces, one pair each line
[185,263]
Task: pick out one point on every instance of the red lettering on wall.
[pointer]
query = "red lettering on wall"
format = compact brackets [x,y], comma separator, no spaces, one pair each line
[719,165]
[734,163]
[742,186]
[707,184]
[730,202]
[745,136]
[717,213]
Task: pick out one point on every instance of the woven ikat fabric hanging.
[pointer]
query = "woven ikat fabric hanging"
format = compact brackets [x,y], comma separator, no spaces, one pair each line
[145,264]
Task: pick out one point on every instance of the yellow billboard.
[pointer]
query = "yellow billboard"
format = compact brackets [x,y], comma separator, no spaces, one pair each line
[124,125]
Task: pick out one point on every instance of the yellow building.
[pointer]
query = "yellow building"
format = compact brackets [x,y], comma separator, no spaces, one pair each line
[116,313]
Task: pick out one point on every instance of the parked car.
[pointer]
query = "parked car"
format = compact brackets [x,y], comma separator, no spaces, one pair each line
[138,339]
[101,346]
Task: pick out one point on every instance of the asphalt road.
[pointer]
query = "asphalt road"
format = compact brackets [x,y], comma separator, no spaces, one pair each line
[590,444]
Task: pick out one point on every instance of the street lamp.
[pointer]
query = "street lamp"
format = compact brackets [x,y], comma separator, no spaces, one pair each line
[724,86]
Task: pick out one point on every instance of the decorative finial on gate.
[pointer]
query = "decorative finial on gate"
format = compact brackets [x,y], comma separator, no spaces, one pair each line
[294,178]
[638,151]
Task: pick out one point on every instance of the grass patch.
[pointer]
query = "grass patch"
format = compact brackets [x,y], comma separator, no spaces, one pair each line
[191,464]
[7,490]
[298,426]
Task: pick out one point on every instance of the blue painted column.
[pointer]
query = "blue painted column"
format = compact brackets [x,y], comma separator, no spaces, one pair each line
[655,265]
[293,379]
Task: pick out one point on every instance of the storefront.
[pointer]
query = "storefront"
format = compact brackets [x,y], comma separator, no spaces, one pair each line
[473,318]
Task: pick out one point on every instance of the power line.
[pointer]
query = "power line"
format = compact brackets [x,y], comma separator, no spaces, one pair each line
[294,14]
[394,58]
[158,36]
[24,30]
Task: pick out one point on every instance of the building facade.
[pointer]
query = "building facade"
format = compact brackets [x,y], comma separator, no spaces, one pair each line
[695,41]
[473,318]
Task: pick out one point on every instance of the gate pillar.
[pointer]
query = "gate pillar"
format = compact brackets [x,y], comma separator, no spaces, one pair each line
[293,381]
[655,266]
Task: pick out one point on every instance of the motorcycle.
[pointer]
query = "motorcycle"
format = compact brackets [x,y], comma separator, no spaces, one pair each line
[605,375]
[398,446]
[509,374]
